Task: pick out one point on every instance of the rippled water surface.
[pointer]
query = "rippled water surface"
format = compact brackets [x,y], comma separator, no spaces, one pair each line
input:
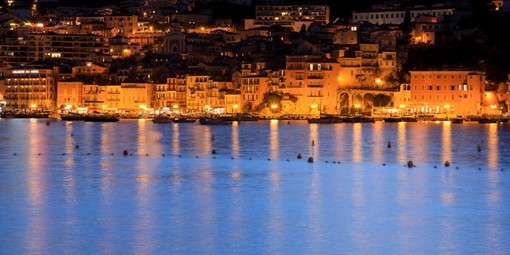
[67,188]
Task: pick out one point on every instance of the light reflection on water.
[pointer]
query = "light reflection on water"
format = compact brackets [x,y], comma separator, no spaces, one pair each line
[57,198]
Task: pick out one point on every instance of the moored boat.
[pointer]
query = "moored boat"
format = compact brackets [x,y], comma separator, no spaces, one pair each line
[457,120]
[162,119]
[327,119]
[101,118]
[487,120]
[213,121]
[71,117]
[183,120]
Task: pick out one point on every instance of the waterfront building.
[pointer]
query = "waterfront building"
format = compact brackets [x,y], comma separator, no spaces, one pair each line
[253,88]
[69,94]
[457,92]
[233,101]
[135,96]
[31,88]
[94,97]
[313,81]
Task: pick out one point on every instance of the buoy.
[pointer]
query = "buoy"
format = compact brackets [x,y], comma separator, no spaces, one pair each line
[39,154]
[479,169]
[179,155]
[313,142]
[326,161]
[334,162]
[64,153]
[389,144]
[339,162]
[112,154]
[72,134]
[288,122]
[213,151]
[47,123]
[89,153]
[249,158]
[288,160]
[447,163]
[214,157]
[196,156]
[231,157]
[457,167]
[268,159]
[299,156]
[212,138]
[14,154]
[410,164]
[435,166]
[383,164]
[310,160]
[147,154]
[77,146]
[162,155]
[479,148]
[125,152]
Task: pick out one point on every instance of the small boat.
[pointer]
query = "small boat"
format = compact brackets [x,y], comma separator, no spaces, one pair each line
[101,118]
[183,120]
[213,121]
[71,117]
[162,119]
[487,120]
[326,119]
[409,119]
[393,119]
[457,120]
[358,119]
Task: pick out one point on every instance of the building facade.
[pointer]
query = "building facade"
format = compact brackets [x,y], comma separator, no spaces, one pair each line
[447,92]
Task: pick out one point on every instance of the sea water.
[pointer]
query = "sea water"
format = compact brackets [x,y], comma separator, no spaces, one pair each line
[136,187]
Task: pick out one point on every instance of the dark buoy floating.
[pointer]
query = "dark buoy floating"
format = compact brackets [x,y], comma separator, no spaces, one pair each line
[479,148]
[447,163]
[77,146]
[410,164]
[212,138]
[313,142]
[125,152]
[47,123]
[383,164]
[389,144]
[310,160]
[299,156]
[213,151]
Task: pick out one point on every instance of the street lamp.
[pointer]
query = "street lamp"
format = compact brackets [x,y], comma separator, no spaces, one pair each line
[357,106]
[446,108]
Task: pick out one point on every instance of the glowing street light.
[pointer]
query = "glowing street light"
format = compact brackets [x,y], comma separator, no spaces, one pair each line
[313,106]
[274,106]
[175,106]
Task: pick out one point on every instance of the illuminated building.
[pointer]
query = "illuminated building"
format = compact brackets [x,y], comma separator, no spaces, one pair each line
[31,88]
[396,15]
[50,46]
[447,92]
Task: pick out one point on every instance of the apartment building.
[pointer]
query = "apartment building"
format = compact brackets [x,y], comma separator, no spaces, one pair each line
[313,81]
[50,46]
[396,15]
[123,25]
[447,92]
[288,15]
[31,88]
